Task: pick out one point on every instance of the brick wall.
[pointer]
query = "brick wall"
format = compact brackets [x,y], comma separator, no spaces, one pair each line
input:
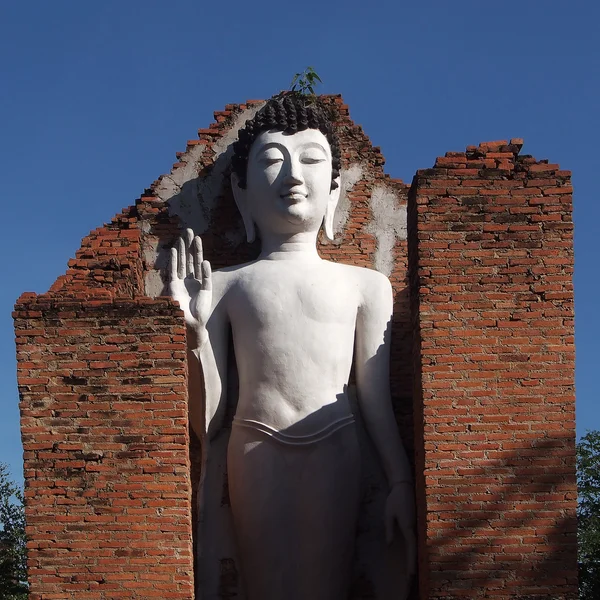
[109,260]
[491,249]
[202,178]
[102,376]
[103,387]
[63,349]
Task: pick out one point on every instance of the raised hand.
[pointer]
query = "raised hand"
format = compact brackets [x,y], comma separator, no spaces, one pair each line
[190,282]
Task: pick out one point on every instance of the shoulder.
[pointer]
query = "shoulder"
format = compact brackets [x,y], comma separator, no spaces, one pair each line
[221,284]
[370,283]
[374,288]
[376,291]
[373,279]
[225,279]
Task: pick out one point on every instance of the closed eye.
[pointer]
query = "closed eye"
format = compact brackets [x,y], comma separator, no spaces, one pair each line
[271,160]
[311,160]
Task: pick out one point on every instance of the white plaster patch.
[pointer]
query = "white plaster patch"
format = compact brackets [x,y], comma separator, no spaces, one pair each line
[150,249]
[193,199]
[154,257]
[349,177]
[388,225]
[153,283]
[167,186]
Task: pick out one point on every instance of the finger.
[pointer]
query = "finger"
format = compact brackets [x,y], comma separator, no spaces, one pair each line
[173,264]
[180,258]
[189,257]
[206,276]
[197,247]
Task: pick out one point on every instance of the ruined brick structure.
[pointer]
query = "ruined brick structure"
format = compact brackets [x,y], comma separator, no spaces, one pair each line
[482,375]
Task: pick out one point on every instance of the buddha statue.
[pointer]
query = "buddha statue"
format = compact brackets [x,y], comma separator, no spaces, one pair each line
[298,324]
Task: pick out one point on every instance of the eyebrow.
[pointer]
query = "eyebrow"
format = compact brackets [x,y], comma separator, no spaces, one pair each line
[314,145]
[268,146]
[281,147]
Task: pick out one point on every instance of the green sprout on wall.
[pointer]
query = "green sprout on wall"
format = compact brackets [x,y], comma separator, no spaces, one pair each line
[304,83]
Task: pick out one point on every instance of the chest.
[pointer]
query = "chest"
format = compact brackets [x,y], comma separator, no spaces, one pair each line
[276,297]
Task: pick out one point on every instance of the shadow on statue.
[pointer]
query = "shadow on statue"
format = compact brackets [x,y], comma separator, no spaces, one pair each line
[378,568]
[377,572]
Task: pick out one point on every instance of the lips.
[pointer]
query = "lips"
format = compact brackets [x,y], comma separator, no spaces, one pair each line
[293,196]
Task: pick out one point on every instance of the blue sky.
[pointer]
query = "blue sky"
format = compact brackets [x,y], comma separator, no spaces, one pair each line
[96,98]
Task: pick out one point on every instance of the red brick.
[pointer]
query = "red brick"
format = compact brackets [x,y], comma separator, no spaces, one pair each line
[510,364]
[479,290]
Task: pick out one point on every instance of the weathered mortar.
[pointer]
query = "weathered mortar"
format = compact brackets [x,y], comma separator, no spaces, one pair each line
[491,264]
[491,251]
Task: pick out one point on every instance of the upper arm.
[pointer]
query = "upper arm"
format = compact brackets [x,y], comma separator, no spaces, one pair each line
[215,382]
[373,331]
[217,327]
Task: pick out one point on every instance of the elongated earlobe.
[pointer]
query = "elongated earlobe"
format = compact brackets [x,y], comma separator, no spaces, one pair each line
[241,200]
[334,197]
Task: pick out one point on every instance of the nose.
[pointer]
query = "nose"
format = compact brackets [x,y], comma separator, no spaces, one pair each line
[294,173]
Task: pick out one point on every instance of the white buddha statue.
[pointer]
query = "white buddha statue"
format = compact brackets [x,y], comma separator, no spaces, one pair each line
[297,323]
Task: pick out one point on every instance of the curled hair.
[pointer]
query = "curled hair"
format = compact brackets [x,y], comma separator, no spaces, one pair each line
[290,113]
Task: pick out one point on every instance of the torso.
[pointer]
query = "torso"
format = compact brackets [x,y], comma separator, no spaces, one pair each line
[293,326]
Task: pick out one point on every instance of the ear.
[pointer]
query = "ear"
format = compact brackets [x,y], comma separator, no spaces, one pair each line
[334,196]
[241,200]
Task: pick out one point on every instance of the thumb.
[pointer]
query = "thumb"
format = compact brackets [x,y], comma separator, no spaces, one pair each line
[206,276]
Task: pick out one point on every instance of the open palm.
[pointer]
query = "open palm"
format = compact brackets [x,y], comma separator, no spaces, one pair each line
[190,281]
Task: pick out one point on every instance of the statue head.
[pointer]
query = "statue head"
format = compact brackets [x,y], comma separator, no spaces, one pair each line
[286,168]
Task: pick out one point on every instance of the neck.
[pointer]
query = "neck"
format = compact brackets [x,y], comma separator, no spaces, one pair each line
[298,246]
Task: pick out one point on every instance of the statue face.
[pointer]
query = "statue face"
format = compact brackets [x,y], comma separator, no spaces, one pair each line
[289,181]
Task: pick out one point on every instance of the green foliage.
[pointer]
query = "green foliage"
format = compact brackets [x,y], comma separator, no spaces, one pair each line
[304,83]
[588,515]
[13,552]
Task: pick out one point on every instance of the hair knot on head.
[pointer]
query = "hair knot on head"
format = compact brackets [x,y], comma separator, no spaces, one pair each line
[269,114]
[290,113]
